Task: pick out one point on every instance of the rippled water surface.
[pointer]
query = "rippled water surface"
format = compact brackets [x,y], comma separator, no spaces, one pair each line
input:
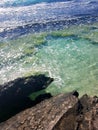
[60,41]
[73,63]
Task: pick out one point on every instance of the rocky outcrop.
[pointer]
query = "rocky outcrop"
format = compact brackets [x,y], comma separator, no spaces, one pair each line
[14,95]
[83,116]
[62,112]
[43,116]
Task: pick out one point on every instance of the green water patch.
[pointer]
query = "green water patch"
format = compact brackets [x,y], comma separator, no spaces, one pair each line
[61,33]
[89,31]
[36,94]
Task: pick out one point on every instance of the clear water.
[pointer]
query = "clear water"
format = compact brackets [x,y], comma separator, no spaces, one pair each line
[55,37]
[72,62]
[70,56]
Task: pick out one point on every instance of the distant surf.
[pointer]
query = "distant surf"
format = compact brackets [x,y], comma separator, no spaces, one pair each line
[22,14]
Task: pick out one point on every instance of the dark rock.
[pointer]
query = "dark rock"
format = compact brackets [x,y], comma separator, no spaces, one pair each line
[14,94]
[75,93]
[42,97]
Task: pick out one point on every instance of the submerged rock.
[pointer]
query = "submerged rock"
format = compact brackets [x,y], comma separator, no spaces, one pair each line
[14,95]
[62,112]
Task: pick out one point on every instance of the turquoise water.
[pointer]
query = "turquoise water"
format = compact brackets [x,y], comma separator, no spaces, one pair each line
[72,62]
[15,3]
[70,56]
[9,3]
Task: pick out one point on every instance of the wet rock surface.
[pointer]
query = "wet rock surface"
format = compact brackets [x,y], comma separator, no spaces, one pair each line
[14,95]
[62,112]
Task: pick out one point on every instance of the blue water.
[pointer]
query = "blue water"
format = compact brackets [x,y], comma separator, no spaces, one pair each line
[21,17]
[68,32]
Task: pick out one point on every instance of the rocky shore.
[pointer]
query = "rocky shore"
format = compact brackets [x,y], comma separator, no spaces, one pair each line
[14,95]
[61,112]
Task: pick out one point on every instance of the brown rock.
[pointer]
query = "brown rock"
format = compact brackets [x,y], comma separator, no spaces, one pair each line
[43,116]
[62,112]
[83,116]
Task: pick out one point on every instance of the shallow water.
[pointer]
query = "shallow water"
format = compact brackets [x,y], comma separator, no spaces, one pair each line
[70,56]
[72,62]
[58,38]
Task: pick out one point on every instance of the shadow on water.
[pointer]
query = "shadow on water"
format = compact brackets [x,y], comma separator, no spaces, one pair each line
[14,95]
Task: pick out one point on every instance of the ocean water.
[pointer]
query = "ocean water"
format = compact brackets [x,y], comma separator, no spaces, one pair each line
[16,3]
[72,61]
[58,38]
